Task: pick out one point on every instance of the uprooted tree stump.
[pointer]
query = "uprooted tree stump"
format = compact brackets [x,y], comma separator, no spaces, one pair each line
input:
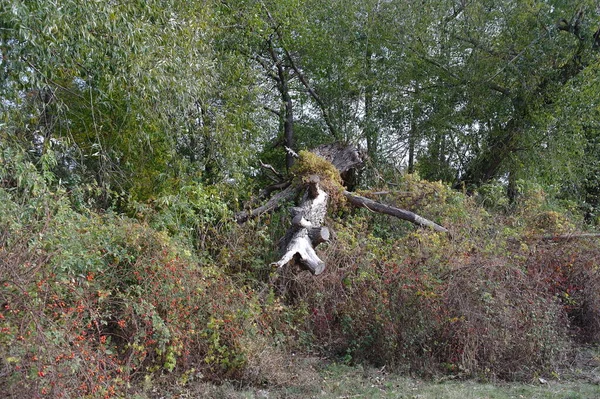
[320,175]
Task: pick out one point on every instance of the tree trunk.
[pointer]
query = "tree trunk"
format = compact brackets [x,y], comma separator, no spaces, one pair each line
[282,80]
[306,231]
[288,125]
[487,165]
[411,145]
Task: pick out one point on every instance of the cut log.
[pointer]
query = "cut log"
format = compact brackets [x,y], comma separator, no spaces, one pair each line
[319,235]
[375,206]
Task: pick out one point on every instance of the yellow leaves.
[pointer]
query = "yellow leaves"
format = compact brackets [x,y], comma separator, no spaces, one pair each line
[427,294]
[552,221]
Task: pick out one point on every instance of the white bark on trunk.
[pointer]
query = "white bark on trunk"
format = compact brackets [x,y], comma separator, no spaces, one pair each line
[306,231]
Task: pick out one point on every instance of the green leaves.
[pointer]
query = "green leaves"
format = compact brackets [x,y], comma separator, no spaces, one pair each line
[141,99]
[127,89]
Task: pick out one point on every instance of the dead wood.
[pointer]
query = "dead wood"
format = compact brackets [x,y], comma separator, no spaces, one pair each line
[306,230]
[375,206]
[272,205]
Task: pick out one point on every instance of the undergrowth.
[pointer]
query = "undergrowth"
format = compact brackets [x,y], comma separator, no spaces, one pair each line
[104,305]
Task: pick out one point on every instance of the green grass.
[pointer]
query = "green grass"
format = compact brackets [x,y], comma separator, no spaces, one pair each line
[337,381]
[343,382]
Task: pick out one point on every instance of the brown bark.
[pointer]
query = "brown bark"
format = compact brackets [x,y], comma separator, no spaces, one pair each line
[303,80]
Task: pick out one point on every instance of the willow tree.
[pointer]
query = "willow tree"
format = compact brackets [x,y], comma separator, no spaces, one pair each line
[133,96]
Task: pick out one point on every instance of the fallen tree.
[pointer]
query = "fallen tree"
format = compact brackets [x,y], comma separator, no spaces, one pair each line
[320,175]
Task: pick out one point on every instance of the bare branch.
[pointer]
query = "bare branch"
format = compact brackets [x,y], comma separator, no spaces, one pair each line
[272,169]
[375,206]
[273,204]
[291,152]
[570,236]
[271,110]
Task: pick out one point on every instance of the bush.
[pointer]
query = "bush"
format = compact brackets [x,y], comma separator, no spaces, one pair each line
[482,303]
[90,304]
[101,305]
[569,271]
[500,323]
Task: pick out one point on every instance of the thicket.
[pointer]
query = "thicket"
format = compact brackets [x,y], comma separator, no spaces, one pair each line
[130,133]
[100,304]
[93,304]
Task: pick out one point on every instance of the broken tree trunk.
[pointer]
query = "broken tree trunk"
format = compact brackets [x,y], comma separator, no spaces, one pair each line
[306,230]
[344,158]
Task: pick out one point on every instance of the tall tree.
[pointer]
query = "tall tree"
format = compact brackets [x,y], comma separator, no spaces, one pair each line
[126,89]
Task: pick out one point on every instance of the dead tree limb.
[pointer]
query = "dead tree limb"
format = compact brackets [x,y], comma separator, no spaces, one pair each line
[272,205]
[343,157]
[375,206]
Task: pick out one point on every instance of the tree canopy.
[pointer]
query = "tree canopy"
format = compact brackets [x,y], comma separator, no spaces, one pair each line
[139,98]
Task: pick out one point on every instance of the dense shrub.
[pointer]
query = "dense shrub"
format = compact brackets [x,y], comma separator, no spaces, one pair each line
[496,299]
[569,269]
[84,315]
[101,305]
[92,304]
[500,323]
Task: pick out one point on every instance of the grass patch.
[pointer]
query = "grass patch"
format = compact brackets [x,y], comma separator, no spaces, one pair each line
[341,381]
[338,381]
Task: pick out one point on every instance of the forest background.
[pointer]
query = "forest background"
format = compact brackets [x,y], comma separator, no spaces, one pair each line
[132,132]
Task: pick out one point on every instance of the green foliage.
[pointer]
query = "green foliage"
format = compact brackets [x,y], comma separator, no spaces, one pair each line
[474,93]
[94,304]
[310,164]
[191,214]
[128,131]
[128,95]
[89,301]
